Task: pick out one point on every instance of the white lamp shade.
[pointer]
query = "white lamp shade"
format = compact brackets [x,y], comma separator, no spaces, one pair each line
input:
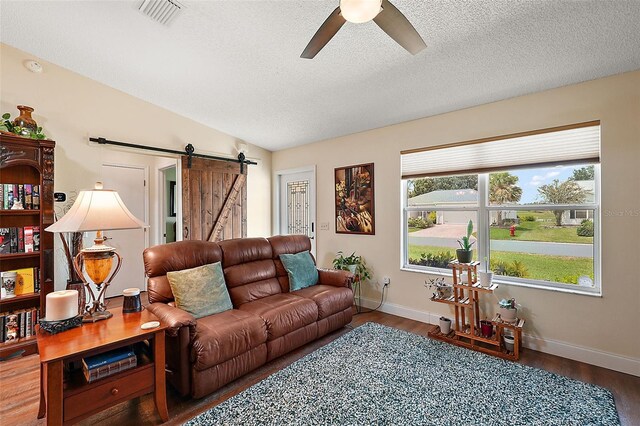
[97,210]
[359,11]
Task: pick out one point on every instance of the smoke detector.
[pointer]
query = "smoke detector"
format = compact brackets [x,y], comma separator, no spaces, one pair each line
[33,66]
[162,11]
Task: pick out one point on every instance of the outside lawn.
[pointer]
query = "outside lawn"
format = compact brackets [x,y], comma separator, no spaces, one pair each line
[540,267]
[542,229]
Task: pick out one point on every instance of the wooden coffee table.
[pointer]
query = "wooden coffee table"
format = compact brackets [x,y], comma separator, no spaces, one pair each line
[66,397]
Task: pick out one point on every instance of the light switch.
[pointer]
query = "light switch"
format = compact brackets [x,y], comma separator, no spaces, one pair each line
[324,226]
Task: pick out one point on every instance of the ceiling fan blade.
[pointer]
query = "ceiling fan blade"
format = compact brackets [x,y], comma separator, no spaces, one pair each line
[327,30]
[398,27]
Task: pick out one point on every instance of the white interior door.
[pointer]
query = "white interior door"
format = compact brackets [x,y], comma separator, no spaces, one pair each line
[298,205]
[130,182]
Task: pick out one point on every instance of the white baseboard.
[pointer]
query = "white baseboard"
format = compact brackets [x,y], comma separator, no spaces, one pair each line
[592,356]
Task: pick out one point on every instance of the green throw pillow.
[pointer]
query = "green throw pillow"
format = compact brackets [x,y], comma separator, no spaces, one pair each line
[200,291]
[301,270]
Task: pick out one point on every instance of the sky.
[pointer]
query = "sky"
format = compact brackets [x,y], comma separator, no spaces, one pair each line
[531,179]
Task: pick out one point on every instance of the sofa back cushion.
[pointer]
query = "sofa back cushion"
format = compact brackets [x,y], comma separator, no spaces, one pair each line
[301,270]
[287,244]
[249,269]
[158,260]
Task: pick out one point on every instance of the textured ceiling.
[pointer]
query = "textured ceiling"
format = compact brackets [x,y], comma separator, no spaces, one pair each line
[235,66]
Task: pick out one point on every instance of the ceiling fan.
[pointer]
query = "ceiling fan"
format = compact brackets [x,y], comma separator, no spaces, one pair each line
[383,13]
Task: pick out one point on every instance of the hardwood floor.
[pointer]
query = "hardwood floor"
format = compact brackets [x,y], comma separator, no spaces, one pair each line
[19,384]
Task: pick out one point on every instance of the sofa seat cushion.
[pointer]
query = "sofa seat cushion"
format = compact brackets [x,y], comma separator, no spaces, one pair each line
[283,313]
[225,335]
[329,299]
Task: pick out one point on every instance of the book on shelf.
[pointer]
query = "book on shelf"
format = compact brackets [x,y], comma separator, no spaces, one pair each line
[36,197]
[28,194]
[7,199]
[5,240]
[28,239]
[25,281]
[13,232]
[21,233]
[21,195]
[107,357]
[20,240]
[109,369]
[108,363]
[18,324]
[36,238]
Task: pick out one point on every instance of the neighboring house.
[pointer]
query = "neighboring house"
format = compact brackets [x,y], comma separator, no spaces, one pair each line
[451,198]
[575,217]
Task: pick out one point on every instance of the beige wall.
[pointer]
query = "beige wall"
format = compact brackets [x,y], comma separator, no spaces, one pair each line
[561,320]
[72,108]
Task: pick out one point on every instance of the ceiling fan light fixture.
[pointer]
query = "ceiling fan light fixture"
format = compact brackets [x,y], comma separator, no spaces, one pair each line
[360,11]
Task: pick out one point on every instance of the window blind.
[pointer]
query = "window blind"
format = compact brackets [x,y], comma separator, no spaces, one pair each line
[577,143]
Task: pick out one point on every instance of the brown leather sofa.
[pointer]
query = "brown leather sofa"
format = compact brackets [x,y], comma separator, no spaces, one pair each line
[266,321]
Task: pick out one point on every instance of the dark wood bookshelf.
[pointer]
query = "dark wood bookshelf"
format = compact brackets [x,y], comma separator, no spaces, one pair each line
[28,161]
[18,256]
[19,212]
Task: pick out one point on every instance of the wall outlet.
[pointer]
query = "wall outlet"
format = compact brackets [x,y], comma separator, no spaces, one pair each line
[386,281]
[324,226]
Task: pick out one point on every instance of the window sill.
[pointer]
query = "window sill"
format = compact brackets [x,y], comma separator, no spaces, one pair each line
[502,281]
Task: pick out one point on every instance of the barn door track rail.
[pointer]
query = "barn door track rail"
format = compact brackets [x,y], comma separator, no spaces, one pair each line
[189,151]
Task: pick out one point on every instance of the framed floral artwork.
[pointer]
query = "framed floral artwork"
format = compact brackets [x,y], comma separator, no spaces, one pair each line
[355,200]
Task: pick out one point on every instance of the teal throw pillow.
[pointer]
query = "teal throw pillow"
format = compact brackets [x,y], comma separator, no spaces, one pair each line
[201,291]
[301,270]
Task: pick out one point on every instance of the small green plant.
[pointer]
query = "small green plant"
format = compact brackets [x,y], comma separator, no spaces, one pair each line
[7,126]
[508,303]
[343,263]
[513,269]
[435,260]
[442,289]
[419,222]
[465,242]
[433,217]
[527,218]
[570,279]
[585,229]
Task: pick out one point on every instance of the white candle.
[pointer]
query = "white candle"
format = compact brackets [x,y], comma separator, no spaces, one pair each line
[62,305]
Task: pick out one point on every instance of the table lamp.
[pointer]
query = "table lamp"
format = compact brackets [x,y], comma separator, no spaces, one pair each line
[97,210]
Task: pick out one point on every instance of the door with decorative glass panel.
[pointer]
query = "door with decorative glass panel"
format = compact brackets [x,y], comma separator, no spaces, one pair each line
[298,204]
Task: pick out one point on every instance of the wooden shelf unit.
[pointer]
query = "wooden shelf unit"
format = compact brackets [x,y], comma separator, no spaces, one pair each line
[466,327]
[28,161]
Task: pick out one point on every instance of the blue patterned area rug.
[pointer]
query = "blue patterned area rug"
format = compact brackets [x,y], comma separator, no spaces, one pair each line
[383,376]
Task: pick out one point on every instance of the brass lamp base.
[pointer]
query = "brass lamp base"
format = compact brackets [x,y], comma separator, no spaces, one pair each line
[96,316]
[97,262]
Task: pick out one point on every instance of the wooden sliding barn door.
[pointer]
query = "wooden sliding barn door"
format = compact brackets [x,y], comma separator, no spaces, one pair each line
[214,200]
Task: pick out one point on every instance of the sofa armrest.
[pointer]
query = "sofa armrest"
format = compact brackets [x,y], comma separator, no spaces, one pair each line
[174,317]
[335,277]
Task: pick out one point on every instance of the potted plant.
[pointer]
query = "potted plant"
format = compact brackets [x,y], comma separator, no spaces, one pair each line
[508,310]
[354,264]
[464,253]
[442,289]
[508,342]
[485,276]
[445,325]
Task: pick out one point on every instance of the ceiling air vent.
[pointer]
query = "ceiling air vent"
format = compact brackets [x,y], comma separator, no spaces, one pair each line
[163,11]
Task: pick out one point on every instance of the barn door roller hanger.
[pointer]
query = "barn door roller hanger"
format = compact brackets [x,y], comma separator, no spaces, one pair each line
[189,151]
